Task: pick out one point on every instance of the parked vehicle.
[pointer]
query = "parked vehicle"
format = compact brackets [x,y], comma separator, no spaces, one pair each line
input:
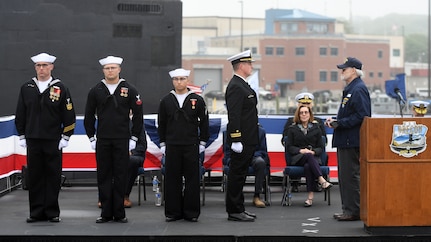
[219,95]
[268,95]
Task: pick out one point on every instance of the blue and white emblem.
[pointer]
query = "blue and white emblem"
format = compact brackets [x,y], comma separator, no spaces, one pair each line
[409,139]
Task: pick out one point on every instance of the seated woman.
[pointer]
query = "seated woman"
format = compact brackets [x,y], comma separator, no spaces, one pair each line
[304,143]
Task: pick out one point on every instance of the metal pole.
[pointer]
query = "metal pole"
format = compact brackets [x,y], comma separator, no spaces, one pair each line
[429,51]
[242,24]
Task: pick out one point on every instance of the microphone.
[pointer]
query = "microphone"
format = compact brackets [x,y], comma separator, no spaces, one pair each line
[400,96]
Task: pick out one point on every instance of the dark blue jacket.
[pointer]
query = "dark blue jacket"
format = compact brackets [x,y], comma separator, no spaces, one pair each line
[355,105]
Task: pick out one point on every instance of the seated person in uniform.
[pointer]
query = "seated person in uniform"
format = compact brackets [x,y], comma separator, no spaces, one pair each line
[419,108]
[259,163]
[136,160]
[304,144]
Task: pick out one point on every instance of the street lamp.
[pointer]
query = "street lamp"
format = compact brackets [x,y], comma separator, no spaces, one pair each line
[242,22]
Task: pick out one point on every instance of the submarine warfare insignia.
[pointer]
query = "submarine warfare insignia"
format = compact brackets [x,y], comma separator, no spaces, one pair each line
[408,139]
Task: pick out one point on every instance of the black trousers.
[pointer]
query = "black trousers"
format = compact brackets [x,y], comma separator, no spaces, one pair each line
[44,162]
[182,161]
[132,172]
[112,156]
[311,170]
[349,180]
[238,168]
[259,166]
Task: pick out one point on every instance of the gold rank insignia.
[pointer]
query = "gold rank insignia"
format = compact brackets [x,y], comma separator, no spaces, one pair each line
[124,92]
[236,134]
[68,104]
[54,93]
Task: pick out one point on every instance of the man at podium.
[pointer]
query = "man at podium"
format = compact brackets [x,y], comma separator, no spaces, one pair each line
[355,105]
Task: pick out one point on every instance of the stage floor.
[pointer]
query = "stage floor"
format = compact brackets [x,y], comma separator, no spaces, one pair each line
[79,211]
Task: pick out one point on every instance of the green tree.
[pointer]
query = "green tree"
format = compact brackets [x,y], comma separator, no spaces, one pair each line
[416,48]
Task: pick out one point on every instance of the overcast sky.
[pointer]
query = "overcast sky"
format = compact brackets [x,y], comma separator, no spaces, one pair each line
[329,8]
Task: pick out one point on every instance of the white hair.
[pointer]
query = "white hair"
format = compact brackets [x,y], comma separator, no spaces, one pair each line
[360,73]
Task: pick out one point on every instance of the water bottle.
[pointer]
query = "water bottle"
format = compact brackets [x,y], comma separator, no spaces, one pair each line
[158,198]
[155,183]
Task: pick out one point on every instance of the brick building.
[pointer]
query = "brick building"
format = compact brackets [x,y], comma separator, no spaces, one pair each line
[295,50]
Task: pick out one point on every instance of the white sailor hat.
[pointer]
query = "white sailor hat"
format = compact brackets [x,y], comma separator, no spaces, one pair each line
[244,56]
[111,60]
[179,72]
[304,97]
[420,106]
[43,57]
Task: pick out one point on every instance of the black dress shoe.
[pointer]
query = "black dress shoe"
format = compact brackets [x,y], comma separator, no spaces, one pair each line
[172,219]
[32,220]
[191,219]
[54,220]
[346,217]
[241,217]
[121,220]
[100,220]
[253,215]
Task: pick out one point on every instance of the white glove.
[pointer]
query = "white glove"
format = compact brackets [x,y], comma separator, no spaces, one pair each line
[132,144]
[22,143]
[93,144]
[63,144]
[163,149]
[236,147]
[201,148]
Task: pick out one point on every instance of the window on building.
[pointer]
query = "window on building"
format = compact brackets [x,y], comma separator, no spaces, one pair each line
[322,76]
[317,28]
[334,51]
[371,74]
[380,54]
[254,50]
[300,76]
[334,76]
[269,51]
[286,28]
[396,52]
[279,51]
[300,51]
[323,51]
[380,75]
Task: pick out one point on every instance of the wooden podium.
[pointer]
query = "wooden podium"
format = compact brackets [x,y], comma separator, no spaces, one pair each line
[395,190]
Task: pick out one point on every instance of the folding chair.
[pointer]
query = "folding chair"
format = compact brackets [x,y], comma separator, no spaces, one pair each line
[295,173]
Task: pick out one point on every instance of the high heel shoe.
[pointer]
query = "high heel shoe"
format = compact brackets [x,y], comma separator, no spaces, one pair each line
[327,187]
[308,203]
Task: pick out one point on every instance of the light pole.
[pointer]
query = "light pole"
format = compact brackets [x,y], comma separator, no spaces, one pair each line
[242,26]
[429,48]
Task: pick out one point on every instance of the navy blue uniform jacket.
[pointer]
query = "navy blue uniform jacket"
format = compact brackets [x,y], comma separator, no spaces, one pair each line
[355,105]
[241,104]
